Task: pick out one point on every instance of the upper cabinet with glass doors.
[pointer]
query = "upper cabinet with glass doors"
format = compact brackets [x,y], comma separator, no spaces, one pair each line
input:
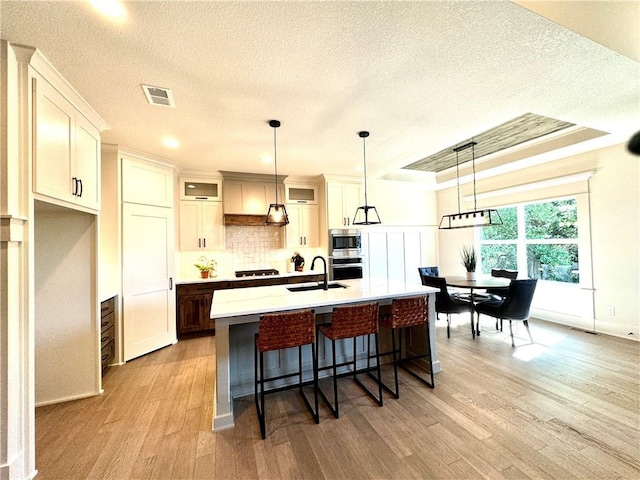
[201,189]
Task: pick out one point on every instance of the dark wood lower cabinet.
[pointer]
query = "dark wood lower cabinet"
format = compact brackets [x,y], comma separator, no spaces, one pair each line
[194,305]
[107,329]
[194,300]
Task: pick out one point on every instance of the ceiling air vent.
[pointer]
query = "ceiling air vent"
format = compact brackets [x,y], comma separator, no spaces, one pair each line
[159,96]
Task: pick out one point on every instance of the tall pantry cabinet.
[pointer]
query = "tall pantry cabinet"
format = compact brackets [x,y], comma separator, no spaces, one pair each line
[65,137]
[139,222]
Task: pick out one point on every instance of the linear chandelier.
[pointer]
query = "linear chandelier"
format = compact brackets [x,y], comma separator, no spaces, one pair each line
[277,214]
[475,218]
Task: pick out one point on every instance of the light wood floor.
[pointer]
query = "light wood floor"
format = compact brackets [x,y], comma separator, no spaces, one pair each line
[567,407]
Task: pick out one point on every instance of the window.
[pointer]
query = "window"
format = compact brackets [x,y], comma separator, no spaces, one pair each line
[538,238]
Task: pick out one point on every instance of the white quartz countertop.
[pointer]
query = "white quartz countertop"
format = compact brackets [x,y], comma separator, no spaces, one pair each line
[233,278]
[276,298]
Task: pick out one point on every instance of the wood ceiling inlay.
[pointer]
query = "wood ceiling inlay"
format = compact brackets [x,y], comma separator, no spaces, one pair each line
[521,129]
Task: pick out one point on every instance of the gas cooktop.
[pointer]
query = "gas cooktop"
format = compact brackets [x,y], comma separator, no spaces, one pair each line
[257,273]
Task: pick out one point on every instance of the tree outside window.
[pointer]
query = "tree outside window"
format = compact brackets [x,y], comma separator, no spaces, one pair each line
[539,238]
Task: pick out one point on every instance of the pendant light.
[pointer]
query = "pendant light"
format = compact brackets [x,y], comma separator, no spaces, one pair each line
[367,214]
[475,218]
[277,214]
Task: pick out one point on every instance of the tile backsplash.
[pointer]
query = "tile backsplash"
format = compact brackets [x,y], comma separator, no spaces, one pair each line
[247,248]
[254,247]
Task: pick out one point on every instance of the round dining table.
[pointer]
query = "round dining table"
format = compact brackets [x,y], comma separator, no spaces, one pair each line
[480,283]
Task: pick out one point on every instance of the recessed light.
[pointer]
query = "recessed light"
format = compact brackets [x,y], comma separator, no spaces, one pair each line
[170,142]
[113,9]
[266,159]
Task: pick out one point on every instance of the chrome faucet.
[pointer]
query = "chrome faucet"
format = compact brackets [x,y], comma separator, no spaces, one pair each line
[326,285]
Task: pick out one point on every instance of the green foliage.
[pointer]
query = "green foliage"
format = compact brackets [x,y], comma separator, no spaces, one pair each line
[556,219]
[558,262]
[499,255]
[507,231]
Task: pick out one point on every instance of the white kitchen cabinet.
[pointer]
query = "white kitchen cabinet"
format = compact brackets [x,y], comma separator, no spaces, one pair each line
[203,189]
[303,229]
[250,198]
[396,253]
[146,183]
[375,254]
[67,150]
[342,201]
[302,194]
[149,313]
[201,225]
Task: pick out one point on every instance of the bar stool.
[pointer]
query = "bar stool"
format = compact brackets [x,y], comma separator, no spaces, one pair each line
[351,322]
[407,312]
[277,332]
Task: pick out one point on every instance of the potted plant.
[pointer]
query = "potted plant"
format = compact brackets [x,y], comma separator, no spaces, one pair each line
[204,269]
[207,268]
[468,255]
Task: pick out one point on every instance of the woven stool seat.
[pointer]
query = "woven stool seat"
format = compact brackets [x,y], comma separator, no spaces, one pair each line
[351,322]
[279,331]
[407,312]
[286,330]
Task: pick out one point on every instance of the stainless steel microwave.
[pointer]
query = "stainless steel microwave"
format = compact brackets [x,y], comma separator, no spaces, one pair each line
[345,242]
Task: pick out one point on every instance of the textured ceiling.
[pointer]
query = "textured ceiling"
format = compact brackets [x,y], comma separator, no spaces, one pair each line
[420,76]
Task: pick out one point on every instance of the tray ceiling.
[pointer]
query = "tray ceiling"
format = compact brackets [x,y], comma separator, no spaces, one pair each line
[522,129]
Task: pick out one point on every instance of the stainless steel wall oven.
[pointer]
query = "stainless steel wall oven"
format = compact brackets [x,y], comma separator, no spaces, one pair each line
[345,242]
[346,268]
[345,254]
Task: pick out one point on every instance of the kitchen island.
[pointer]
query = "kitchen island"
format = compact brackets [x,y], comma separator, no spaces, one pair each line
[237,313]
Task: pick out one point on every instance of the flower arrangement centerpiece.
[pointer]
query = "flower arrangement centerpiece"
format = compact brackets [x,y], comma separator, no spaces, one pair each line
[469,259]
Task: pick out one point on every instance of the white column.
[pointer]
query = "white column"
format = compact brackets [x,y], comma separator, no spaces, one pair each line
[17,412]
[222,401]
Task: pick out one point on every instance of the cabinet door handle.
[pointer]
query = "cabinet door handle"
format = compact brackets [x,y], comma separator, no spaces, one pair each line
[204,242]
[170,283]
[199,243]
[75,187]
[80,182]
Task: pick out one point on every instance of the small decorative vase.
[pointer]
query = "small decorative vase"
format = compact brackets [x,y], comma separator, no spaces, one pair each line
[204,273]
[471,276]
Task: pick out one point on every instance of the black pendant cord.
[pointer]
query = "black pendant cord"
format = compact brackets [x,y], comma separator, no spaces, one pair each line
[473,163]
[275,161]
[458,178]
[275,124]
[364,151]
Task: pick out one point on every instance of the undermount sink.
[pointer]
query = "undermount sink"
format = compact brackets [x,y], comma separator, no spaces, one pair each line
[306,288]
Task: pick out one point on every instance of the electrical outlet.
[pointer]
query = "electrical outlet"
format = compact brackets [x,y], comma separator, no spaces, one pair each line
[611,311]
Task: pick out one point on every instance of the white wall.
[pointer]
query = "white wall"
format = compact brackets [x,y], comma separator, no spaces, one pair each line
[109,250]
[615,220]
[67,362]
[613,199]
